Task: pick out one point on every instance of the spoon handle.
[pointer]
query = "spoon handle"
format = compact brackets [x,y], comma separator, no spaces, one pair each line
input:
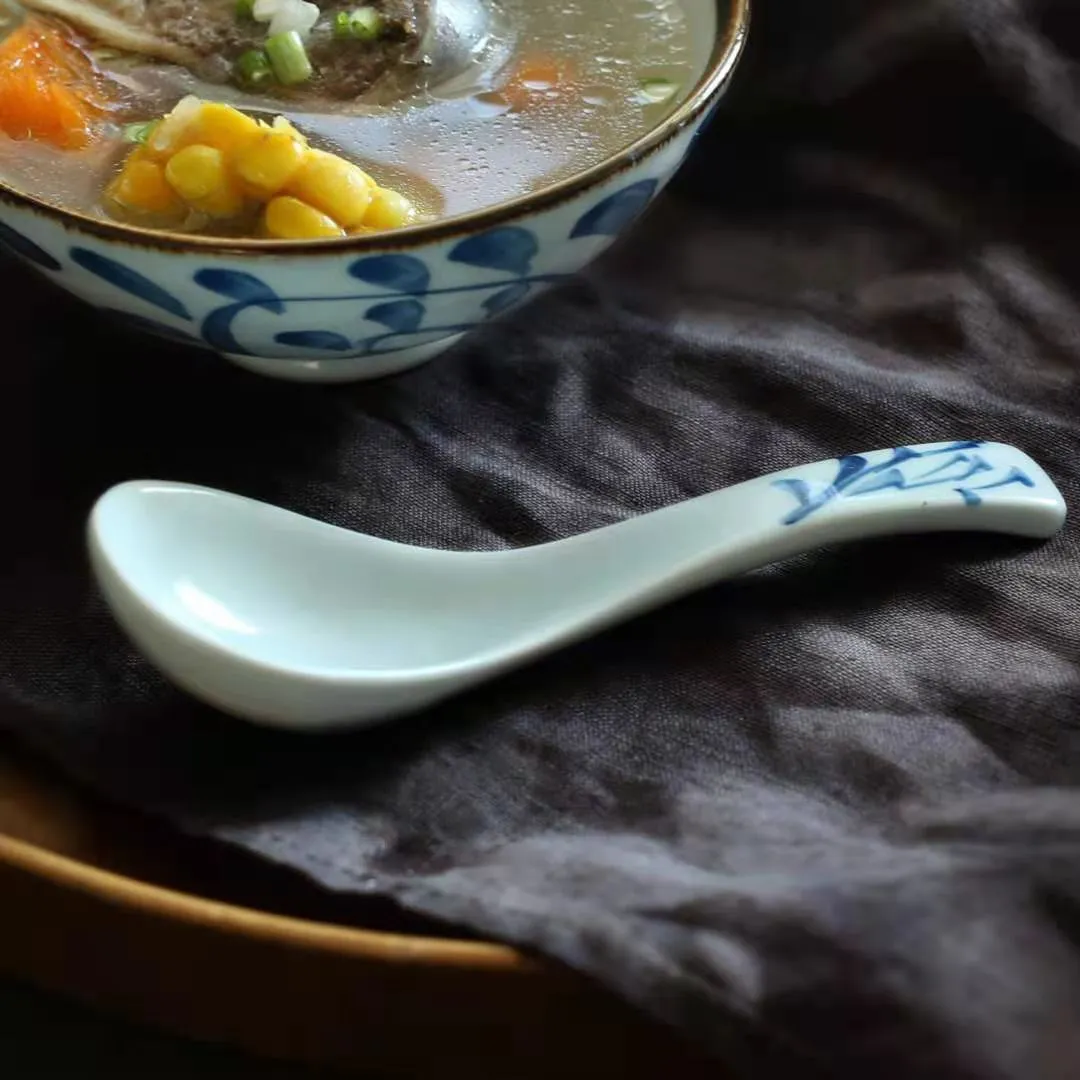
[950,486]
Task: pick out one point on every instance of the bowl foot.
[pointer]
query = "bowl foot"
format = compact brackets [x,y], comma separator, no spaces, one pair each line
[341,369]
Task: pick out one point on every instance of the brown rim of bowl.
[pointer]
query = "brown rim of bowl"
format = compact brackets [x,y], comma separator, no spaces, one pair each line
[733,27]
[173,905]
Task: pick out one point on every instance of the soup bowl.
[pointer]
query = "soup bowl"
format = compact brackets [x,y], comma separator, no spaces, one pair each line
[358,308]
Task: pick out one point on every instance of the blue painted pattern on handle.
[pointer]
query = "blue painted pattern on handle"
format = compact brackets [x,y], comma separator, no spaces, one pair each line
[954,465]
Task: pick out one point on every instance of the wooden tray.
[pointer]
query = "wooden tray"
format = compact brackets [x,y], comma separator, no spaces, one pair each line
[204,942]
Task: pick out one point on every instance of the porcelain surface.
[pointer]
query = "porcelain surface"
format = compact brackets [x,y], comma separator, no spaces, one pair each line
[354,310]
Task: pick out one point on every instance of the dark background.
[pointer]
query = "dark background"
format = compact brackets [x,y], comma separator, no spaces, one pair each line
[44,1036]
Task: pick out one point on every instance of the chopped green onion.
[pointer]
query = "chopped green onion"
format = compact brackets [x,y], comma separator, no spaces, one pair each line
[288,58]
[362,24]
[366,23]
[252,69]
[245,10]
[140,133]
[657,91]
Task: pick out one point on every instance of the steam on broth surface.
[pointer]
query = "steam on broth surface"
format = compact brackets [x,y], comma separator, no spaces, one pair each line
[551,90]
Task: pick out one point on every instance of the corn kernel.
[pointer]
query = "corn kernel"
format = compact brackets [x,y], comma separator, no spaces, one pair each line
[141,187]
[287,218]
[196,171]
[268,164]
[214,159]
[223,127]
[388,210]
[334,186]
[223,202]
[138,154]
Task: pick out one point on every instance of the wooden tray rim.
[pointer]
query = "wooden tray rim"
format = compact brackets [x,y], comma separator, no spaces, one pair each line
[172,904]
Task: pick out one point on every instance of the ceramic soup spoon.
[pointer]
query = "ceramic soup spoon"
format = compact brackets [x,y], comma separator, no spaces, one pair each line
[290,622]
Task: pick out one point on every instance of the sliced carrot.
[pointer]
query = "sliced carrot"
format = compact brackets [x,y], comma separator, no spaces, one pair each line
[532,78]
[49,88]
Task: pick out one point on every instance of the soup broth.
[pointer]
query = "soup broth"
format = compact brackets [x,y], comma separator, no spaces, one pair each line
[559,88]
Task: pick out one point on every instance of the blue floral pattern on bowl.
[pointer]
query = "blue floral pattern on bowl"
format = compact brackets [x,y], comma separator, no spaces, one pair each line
[340,313]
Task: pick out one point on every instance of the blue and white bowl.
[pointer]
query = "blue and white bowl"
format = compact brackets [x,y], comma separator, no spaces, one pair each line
[341,310]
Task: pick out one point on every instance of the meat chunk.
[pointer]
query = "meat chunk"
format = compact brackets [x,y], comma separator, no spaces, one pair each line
[206,36]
